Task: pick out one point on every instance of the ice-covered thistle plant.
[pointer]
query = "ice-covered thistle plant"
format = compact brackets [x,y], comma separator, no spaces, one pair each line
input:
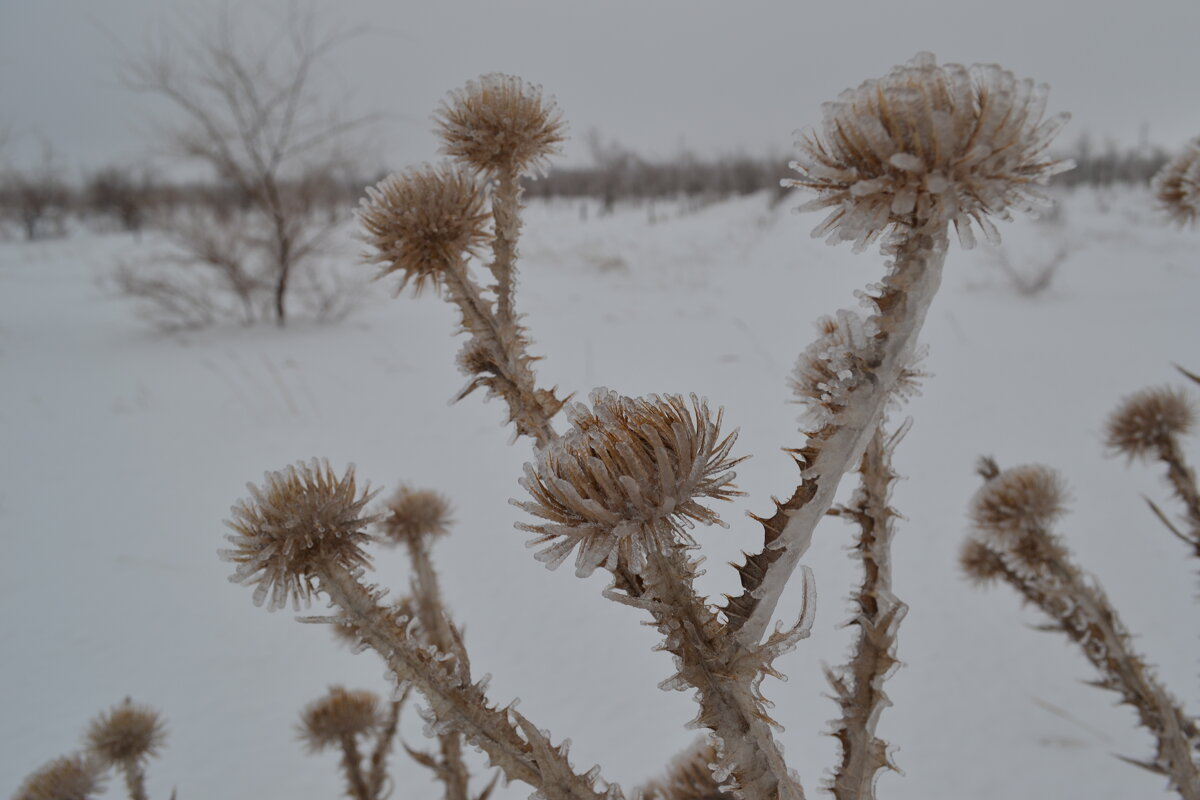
[1177,185]
[1013,542]
[902,159]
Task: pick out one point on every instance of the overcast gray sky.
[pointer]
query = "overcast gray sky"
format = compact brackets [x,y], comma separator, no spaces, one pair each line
[656,76]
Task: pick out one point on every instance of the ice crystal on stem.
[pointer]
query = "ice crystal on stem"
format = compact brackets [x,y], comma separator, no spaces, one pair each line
[927,144]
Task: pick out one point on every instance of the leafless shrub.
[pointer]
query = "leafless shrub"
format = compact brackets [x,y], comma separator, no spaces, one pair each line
[252,113]
[38,197]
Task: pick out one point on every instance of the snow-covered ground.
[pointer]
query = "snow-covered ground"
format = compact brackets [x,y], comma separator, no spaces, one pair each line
[124,448]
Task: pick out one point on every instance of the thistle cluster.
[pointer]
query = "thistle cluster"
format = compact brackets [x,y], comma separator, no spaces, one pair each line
[925,146]
[414,514]
[127,734]
[74,777]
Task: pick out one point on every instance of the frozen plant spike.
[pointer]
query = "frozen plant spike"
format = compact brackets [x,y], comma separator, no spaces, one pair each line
[927,145]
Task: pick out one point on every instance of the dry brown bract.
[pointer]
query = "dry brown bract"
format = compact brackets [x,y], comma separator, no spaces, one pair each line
[415,514]
[625,479]
[688,778]
[1177,185]
[339,715]
[66,778]
[1146,421]
[1020,500]
[126,734]
[422,222]
[501,124]
[302,517]
[928,145]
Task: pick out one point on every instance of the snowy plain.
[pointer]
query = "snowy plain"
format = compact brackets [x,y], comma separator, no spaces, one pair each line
[124,449]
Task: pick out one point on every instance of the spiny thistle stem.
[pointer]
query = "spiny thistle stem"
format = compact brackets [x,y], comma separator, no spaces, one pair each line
[1013,512]
[1183,481]
[831,452]
[352,764]
[507,359]
[135,780]
[453,772]
[383,745]
[522,755]
[709,662]
[859,684]
[506,211]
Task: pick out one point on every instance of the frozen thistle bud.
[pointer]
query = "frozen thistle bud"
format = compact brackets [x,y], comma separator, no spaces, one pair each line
[499,124]
[302,517]
[68,778]
[1148,420]
[415,514]
[1177,185]
[328,721]
[982,565]
[1018,501]
[927,145]
[688,778]
[626,479]
[422,222]
[126,734]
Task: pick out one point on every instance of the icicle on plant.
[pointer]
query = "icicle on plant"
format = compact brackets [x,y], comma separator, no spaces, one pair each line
[1177,185]
[900,158]
[1013,542]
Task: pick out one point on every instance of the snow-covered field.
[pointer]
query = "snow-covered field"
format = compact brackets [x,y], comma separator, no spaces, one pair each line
[124,448]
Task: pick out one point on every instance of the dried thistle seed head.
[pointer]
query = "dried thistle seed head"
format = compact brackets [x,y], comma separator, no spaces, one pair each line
[500,123]
[414,514]
[626,479]
[125,734]
[1018,501]
[1177,185]
[688,778]
[422,222]
[927,145]
[302,518]
[68,778]
[340,714]
[981,564]
[1146,421]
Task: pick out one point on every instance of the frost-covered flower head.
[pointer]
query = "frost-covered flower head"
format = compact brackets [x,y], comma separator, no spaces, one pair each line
[339,715]
[302,518]
[1148,420]
[1177,185]
[1020,500]
[68,778]
[501,123]
[414,514]
[626,479]
[422,221]
[927,145]
[126,734]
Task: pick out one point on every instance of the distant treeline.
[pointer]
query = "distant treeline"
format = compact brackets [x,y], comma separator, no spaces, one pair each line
[38,202]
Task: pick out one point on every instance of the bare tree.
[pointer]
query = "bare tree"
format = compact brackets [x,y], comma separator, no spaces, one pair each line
[252,112]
